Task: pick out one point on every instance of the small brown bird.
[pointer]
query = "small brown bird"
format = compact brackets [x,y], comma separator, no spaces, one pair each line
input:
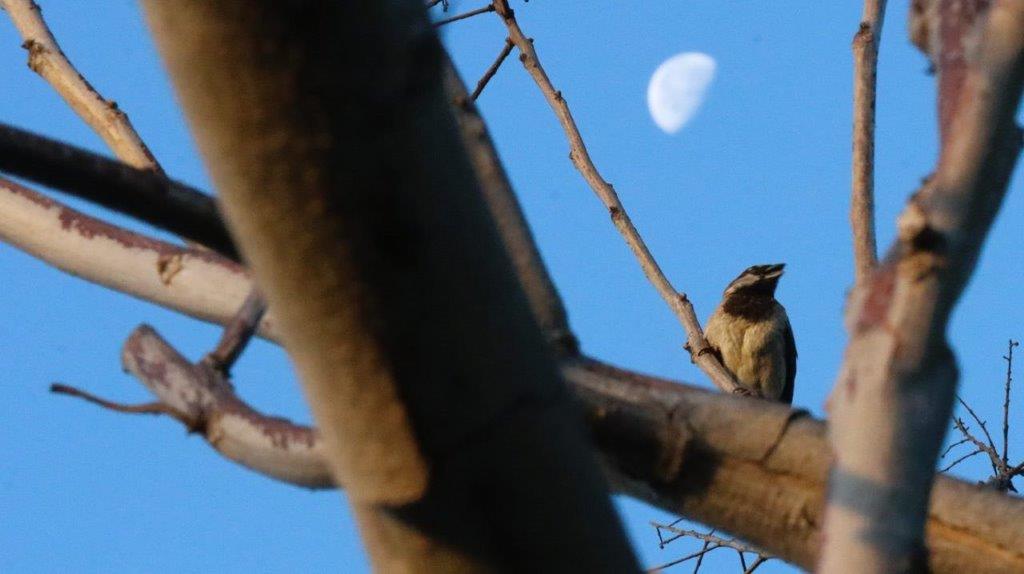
[750,333]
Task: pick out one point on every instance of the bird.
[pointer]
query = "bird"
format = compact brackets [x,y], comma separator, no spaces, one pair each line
[750,334]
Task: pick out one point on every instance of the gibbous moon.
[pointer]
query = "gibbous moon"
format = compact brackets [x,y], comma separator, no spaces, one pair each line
[677,89]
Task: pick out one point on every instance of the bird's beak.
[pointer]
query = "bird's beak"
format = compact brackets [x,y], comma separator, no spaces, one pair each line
[775,270]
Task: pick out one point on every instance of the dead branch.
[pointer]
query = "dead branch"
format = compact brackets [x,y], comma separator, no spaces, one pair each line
[104,116]
[862,200]
[677,301]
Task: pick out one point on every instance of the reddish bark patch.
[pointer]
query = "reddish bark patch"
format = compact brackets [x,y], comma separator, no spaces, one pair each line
[957,18]
[281,432]
[875,310]
[90,227]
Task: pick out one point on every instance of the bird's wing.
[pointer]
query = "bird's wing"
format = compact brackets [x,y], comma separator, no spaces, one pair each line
[789,351]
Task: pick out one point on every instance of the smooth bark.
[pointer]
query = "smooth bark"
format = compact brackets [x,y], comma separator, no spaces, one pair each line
[429,380]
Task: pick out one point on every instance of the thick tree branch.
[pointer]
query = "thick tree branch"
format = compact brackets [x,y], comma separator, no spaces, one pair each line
[428,378]
[545,302]
[625,428]
[144,194]
[47,59]
[749,468]
[862,200]
[677,302]
[199,283]
[894,395]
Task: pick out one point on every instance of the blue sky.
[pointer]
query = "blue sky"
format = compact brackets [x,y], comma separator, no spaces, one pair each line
[760,175]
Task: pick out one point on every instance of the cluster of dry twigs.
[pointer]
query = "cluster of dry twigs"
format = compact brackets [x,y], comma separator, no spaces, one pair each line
[1003,472]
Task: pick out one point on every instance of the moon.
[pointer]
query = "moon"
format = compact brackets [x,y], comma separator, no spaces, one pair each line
[677,89]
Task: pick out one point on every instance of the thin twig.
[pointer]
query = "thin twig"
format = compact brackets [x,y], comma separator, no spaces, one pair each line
[961,459]
[697,554]
[952,446]
[580,157]
[464,15]
[143,194]
[993,455]
[237,333]
[756,563]
[47,59]
[708,537]
[1017,470]
[480,85]
[1006,401]
[981,423]
[862,200]
[155,408]
[700,559]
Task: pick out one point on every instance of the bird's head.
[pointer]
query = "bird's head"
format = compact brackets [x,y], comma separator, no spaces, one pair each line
[757,280]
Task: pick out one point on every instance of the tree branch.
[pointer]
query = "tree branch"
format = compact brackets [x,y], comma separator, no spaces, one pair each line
[545,302]
[143,194]
[464,15]
[753,469]
[506,49]
[862,201]
[894,395]
[237,333]
[47,59]
[199,283]
[394,304]
[677,302]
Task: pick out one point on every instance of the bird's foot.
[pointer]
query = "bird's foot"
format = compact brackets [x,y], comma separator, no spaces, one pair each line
[745,392]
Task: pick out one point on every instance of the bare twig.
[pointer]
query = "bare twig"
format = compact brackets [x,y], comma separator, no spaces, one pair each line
[862,201]
[991,444]
[952,446]
[237,333]
[1006,400]
[961,459]
[756,563]
[698,554]
[464,15]
[711,542]
[720,541]
[580,157]
[480,85]
[145,408]
[981,447]
[700,559]
[103,116]
[143,194]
